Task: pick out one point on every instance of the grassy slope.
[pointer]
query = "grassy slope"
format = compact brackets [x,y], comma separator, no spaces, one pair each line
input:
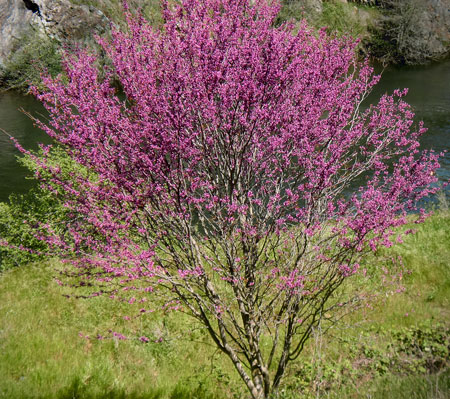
[43,355]
[114,11]
[360,358]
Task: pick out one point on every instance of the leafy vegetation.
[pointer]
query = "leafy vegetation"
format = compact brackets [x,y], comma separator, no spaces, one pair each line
[35,54]
[150,9]
[16,228]
[343,19]
[22,216]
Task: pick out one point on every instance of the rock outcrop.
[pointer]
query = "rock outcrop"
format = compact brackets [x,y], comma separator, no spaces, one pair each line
[58,19]
[65,21]
[15,21]
[433,29]
[414,31]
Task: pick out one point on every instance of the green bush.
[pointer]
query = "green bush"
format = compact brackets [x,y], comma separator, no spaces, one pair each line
[22,216]
[113,8]
[340,18]
[16,229]
[34,54]
[336,17]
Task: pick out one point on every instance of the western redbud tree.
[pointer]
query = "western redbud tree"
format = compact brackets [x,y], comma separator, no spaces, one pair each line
[220,173]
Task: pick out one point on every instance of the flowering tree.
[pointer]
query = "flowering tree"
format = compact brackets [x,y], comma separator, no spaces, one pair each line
[220,174]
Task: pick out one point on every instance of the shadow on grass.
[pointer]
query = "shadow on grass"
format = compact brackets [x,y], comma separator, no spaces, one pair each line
[415,387]
[79,390]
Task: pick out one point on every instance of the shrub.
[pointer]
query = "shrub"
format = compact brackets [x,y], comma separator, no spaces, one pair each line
[35,54]
[22,216]
[220,177]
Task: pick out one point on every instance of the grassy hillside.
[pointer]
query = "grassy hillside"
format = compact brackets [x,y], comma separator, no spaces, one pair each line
[396,348]
[113,8]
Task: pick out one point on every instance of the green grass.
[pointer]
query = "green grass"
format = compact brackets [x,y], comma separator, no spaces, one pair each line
[426,256]
[43,356]
[113,9]
[398,344]
[337,17]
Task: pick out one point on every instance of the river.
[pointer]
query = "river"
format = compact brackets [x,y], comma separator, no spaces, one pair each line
[429,94]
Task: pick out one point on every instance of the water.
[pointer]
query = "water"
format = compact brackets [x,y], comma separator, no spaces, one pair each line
[429,94]
[13,177]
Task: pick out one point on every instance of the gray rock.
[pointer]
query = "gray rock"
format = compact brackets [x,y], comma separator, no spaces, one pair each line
[420,29]
[434,27]
[15,21]
[58,19]
[314,6]
[65,21]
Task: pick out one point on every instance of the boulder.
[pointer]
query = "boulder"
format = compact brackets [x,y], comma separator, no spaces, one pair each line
[313,5]
[66,21]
